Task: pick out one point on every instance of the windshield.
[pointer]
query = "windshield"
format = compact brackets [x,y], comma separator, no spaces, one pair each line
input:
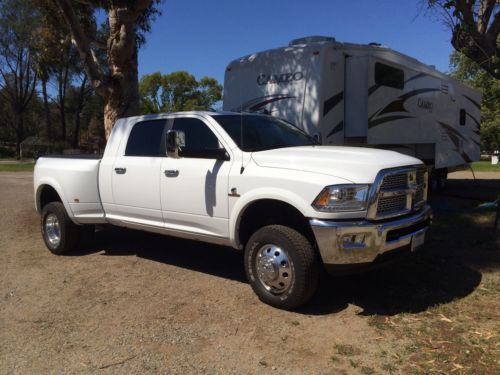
[262,132]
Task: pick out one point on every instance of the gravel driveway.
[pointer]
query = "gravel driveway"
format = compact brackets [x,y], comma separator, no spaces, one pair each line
[141,303]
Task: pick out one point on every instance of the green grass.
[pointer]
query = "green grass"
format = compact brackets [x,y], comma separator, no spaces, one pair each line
[485,166]
[17,167]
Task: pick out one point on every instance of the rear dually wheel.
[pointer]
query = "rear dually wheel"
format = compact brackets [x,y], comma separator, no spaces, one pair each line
[59,233]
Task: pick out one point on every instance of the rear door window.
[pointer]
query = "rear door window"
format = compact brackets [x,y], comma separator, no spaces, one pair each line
[146,139]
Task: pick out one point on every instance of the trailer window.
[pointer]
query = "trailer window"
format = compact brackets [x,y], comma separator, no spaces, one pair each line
[146,139]
[386,75]
[462,116]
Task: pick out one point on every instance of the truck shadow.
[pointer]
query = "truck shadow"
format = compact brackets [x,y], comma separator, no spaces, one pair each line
[439,274]
[460,247]
[409,286]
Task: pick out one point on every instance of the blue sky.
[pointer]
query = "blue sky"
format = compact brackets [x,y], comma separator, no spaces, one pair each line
[201,37]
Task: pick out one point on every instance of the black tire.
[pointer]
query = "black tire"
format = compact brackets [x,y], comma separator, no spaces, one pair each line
[70,233]
[304,266]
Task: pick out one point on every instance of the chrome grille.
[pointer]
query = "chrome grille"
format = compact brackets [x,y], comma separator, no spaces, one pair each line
[395,181]
[398,192]
[389,205]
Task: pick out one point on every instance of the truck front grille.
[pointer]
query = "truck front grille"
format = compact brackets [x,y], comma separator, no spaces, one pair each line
[398,192]
[395,181]
[391,205]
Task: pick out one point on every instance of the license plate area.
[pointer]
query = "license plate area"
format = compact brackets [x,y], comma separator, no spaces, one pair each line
[417,240]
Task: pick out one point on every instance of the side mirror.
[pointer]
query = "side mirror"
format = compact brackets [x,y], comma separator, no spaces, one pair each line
[175,140]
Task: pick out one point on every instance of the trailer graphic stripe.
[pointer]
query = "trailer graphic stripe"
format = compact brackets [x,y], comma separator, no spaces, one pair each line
[372,89]
[398,104]
[455,137]
[465,157]
[383,120]
[473,119]
[258,106]
[476,104]
[336,129]
[332,102]
[450,130]
[420,75]
[257,103]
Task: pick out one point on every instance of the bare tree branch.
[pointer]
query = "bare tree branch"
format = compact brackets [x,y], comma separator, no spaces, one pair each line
[475,30]
[485,9]
[91,65]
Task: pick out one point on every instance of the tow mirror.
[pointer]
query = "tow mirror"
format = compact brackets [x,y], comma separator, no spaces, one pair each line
[175,140]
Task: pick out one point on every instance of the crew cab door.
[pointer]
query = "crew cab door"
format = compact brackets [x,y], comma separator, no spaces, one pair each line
[136,176]
[194,187]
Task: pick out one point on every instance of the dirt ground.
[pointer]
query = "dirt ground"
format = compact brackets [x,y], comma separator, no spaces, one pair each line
[139,303]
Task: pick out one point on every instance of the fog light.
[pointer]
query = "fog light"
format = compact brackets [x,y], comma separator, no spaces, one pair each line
[353,240]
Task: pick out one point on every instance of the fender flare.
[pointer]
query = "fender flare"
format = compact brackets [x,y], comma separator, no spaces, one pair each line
[47,181]
[239,208]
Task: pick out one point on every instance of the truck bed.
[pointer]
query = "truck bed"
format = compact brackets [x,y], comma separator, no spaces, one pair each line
[76,180]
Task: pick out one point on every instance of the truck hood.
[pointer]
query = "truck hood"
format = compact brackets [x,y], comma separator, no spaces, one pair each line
[356,164]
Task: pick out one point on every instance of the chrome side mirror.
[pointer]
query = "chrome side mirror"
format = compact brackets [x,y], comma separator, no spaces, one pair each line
[175,139]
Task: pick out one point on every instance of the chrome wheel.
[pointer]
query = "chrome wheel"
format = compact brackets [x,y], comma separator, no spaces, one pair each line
[274,269]
[52,229]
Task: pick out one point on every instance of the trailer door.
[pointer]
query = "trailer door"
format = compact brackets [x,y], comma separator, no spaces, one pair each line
[356,98]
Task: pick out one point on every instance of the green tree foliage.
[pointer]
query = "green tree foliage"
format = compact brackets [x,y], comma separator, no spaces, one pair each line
[467,71]
[177,91]
[18,77]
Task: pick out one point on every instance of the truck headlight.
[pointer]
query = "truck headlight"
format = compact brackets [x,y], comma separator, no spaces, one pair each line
[338,198]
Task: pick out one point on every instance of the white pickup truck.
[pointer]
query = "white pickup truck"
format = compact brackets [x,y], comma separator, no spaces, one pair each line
[249,181]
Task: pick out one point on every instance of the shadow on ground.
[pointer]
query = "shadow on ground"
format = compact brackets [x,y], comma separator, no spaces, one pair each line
[434,276]
[459,248]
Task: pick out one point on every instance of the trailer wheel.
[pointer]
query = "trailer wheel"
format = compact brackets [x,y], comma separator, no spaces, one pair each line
[59,233]
[281,266]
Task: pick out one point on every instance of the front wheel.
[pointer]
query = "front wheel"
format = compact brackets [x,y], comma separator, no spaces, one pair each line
[59,233]
[281,266]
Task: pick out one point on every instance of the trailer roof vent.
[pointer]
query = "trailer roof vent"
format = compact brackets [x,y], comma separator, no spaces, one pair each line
[311,39]
[375,44]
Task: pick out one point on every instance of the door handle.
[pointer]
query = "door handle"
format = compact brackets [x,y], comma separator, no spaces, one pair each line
[171,173]
[120,170]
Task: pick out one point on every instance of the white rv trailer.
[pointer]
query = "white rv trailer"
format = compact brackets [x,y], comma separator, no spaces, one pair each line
[365,95]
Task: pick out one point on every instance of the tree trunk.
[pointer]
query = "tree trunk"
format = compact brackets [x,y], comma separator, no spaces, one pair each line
[119,87]
[122,98]
[46,108]
[19,134]
[63,80]
[79,109]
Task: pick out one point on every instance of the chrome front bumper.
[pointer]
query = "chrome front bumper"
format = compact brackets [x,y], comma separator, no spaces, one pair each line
[379,238]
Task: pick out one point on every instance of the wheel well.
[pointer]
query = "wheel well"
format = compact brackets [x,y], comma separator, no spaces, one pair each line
[270,212]
[47,194]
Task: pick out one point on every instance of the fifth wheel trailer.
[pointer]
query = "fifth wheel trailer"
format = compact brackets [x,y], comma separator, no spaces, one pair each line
[362,95]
